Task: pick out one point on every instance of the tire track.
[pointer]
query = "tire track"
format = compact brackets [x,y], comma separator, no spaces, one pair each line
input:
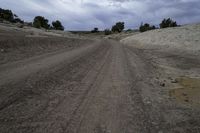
[73,126]
[56,73]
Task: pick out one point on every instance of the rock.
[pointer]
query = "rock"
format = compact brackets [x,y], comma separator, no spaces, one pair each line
[184,94]
[2,50]
[186,100]
[162,84]
[174,81]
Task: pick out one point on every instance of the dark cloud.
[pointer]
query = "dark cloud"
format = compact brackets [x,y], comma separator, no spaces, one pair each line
[86,14]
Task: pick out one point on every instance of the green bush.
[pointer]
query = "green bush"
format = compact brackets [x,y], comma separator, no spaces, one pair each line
[9,16]
[6,14]
[118,27]
[168,23]
[107,31]
[95,30]
[146,27]
[57,25]
[41,22]
[18,20]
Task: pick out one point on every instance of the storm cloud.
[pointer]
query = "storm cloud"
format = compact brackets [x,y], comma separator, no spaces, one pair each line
[87,14]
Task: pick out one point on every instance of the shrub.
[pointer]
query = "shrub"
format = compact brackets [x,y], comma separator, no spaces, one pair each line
[9,16]
[129,30]
[118,27]
[6,15]
[107,32]
[57,25]
[146,27]
[18,20]
[41,22]
[168,23]
[95,30]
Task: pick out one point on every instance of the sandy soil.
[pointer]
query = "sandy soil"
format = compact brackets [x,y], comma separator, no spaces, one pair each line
[185,38]
[102,87]
[175,54]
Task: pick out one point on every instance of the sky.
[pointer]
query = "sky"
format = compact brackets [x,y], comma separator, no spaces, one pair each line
[87,14]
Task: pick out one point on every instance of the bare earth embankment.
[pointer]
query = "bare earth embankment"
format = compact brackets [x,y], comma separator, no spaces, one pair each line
[175,55]
[20,43]
[55,82]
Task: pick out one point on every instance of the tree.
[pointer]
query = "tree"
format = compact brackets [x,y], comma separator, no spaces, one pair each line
[107,32]
[18,20]
[146,27]
[41,22]
[118,27]
[6,14]
[57,25]
[168,23]
[95,30]
[9,16]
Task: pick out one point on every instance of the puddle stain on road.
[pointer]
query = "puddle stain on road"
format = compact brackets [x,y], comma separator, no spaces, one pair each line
[188,92]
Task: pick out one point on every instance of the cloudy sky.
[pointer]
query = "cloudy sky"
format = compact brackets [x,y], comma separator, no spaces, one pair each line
[87,14]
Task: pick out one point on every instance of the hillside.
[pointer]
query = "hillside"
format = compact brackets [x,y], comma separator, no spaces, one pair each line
[183,38]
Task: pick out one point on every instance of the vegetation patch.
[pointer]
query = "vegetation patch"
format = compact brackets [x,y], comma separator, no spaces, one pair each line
[146,27]
[8,15]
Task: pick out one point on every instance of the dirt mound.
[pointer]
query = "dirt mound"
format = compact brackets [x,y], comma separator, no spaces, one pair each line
[183,38]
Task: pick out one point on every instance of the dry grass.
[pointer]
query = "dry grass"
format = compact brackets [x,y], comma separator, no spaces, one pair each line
[188,91]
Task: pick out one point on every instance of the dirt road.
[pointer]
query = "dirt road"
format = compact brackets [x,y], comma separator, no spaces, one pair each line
[105,87]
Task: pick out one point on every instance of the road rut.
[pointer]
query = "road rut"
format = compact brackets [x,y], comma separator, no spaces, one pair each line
[104,87]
